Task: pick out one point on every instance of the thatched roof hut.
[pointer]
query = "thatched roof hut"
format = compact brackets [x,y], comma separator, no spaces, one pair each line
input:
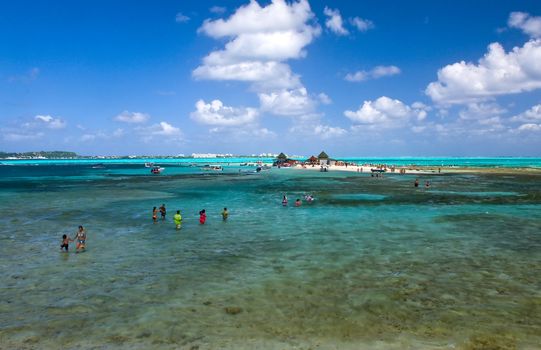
[312,160]
[323,155]
[282,157]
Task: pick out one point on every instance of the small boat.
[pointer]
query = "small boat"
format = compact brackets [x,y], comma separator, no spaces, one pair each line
[213,167]
[149,165]
[156,170]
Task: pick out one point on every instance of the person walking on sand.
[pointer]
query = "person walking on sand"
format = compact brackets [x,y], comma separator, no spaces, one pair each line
[202,217]
[225,214]
[163,211]
[154,214]
[178,220]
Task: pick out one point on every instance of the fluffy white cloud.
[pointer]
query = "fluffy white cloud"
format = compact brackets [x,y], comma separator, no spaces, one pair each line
[530,127]
[180,18]
[531,115]
[528,24]
[132,117]
[375,73]
[324,98]
[260,40]
[162,131]
[481,111]
[386,112]
[362,25]
[318,130]
[265,75]
[50,122]
[334,21]
[294,102]
[497,73]
[215,113]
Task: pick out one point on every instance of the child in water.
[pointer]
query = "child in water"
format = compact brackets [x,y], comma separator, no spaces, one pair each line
[284,201]
[225,214]
[178,220]
[298,202]
[154,214]
[65,242]
[202,217]
[163,211]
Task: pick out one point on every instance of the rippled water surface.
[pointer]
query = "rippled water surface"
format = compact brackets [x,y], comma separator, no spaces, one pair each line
[371,263]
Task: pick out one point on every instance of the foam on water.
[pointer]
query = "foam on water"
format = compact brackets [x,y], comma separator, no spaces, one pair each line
[372,262]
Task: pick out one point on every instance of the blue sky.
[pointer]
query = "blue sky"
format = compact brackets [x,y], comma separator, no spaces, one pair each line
[370,78]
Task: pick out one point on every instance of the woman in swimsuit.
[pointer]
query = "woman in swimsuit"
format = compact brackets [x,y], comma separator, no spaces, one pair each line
[80,238]
[154,214]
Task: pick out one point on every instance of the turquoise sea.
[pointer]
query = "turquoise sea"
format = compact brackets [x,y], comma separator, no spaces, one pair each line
[372,263]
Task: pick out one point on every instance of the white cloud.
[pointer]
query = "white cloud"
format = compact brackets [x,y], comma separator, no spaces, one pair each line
[528,24]
[217,9]
[386,112]
[260,40]
[318,130]
[480,111]
[132,117]
[334,21]
[497,73]
[50,122]
[266,75]
[180,18]
[530,127]
[294,102]
[326,131]
[162,131]
[375,73]
[323,98]
[531,115]
[215,113]
[362,25]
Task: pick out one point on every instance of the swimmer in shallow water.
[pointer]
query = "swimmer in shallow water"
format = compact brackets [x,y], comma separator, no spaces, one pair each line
[225,214]
[163,211]
[178,220]
[202,217]
[284,201]
[298,202]
[154,214]
[65,243]
[80,238]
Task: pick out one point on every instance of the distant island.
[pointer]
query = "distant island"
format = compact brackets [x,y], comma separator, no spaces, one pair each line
[73,155]
[39,155]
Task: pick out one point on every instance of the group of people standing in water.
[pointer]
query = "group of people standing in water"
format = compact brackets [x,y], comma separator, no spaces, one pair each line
[308,198]
[177,218]
[80,239]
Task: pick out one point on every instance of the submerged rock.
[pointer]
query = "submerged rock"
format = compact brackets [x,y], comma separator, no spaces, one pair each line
[233,310]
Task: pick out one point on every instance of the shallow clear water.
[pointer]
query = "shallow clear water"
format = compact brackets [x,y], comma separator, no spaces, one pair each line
[371,263]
